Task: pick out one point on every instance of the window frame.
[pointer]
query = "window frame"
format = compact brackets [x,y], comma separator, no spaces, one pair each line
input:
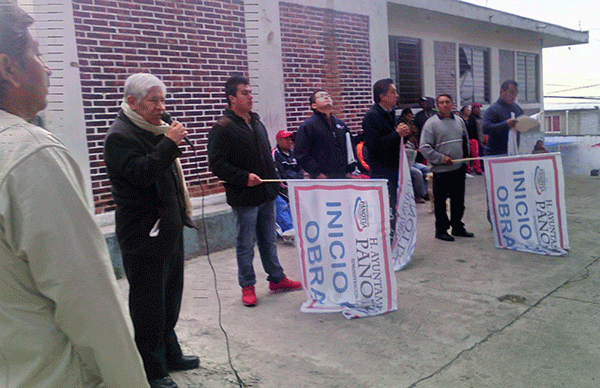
[527,93]
[408,95]
[486,76]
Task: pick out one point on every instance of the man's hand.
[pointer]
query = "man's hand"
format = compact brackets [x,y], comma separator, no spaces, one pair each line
[511,122]
[321,176]
[403,130]
[176,132]
[254,180]
[447,160]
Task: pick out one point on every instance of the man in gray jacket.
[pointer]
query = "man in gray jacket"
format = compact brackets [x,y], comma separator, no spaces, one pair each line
[444,139]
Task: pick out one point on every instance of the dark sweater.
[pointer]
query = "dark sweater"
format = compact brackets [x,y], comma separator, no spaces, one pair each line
[321,146]
[236,149]
[381,139]
[495,126]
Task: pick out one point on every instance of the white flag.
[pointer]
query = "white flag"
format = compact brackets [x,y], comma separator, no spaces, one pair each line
[343,245]
[526,201]
[405,231]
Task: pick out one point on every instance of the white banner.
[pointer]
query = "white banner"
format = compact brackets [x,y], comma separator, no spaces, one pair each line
[343,244]
[526,201]
[405,232]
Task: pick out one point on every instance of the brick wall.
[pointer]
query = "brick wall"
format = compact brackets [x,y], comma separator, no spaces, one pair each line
[323,48]
[192,45]
[445,68]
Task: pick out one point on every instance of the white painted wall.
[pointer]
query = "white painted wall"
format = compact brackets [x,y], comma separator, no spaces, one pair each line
[55,31]
[431,26]
[579,157]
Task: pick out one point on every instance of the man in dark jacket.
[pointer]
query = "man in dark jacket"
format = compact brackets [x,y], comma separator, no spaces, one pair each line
[286,165]
[383,136]
[141,155]
[424,114]
[239,153]
[500,117]
[321,148]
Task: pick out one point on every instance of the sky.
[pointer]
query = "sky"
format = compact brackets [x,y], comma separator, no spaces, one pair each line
[569,70]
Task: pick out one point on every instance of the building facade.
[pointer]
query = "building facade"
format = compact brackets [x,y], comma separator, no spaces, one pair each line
[286,48]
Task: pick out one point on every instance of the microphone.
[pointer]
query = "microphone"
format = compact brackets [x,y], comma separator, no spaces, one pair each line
[168,119]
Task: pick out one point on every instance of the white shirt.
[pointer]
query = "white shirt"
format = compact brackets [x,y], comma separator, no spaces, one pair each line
[63,322]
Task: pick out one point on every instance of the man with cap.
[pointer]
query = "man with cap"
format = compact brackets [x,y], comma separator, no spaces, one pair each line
[287,168]
[424,114]
[285,163]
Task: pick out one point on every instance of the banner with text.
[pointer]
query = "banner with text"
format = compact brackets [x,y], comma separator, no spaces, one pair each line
[343,244]
[405,231]
[526,201]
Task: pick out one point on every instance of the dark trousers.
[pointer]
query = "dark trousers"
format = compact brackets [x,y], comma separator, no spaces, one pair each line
[378,172]
[155,290]
[449,185]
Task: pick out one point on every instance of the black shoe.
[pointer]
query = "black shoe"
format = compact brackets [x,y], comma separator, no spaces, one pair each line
[463,233]
[184,363]
[163,382]
[444,236]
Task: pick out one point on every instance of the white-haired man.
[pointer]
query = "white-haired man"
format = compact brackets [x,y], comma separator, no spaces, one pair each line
[152,206]
[63,322]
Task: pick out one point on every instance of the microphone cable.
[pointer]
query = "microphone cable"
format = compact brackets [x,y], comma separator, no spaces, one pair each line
[240,382]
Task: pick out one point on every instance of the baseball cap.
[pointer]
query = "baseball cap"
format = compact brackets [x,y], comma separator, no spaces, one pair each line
[283,134]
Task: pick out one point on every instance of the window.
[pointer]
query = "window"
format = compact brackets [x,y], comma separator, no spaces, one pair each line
[552,123]
[405,69]
[474,72]
[527,77]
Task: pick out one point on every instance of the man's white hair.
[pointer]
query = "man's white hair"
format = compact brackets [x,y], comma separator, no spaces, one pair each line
[138,85]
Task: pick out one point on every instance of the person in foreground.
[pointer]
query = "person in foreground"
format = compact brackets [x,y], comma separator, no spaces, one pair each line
[444,139]
[152,206]
[239,153]
[63,321]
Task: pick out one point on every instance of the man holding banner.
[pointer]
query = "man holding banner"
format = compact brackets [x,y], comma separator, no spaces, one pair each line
[500,118]
[323,142]
[239,153]
[445,138]
[383,137]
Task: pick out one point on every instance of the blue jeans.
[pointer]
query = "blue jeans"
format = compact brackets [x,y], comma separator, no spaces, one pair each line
[256,224]
[417,173]
[284,216]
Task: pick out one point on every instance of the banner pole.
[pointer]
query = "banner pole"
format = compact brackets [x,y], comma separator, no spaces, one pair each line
[266,181]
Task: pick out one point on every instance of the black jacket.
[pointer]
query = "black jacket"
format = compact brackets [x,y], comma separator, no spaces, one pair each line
[381,139]
[234,151]
[321,147]
[145,185]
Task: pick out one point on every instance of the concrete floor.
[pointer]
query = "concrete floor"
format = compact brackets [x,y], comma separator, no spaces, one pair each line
[454,326]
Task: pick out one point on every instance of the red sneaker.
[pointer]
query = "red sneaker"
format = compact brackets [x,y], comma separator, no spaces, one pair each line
[284,286]
[248,296]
